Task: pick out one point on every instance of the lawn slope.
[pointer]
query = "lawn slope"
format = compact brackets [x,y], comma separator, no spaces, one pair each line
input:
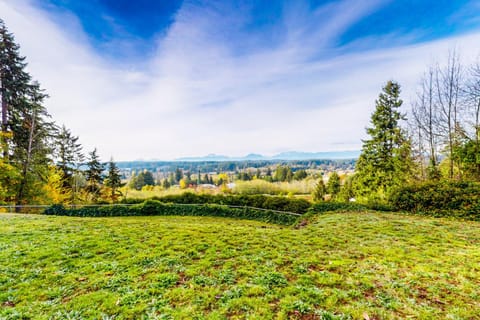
[339,266]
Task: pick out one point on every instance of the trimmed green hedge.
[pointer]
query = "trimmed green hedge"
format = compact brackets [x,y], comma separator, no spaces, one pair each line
[459,199]
[157,208]
[258,201]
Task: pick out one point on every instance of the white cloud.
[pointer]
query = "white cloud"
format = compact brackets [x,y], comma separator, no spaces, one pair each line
[197,95]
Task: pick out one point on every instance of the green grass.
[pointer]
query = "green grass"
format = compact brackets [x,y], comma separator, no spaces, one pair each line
[339,266]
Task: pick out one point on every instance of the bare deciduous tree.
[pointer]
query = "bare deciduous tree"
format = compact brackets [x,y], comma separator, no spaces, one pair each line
[448,85]
[425,116]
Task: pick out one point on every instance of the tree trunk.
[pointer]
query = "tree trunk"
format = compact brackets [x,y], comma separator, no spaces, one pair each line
[26,164]
[4,126]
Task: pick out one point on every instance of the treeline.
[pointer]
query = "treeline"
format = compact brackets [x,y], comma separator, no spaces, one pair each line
[233,166]
[185,179]
[41,162]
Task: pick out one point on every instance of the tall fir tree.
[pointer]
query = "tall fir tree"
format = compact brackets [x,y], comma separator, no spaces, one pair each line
[69,156]
[333,185]
[32,144]
[25,125]
[14,81]
[113,180]
[178,175]
[94,174]
[319,192]
[385,160]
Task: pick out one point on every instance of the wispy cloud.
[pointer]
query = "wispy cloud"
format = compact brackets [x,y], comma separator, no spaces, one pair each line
[201,93]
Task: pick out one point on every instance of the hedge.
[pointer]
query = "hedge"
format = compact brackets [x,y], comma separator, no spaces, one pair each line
[157,208]
[258,201]
[460,199]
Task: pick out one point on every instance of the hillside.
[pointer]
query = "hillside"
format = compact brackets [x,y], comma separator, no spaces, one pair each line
[370,265]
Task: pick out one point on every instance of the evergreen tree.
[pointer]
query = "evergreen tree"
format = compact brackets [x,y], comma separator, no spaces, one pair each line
[319,192]
[26,131]
[385,160]
[32,145]
[178,175]
[188,178]
[138,181]
[268,175]
[69,156]
[94,174]
[269,172]
[283,173]
[346,191]
[206,179]
[14,82]
[171,179]
[144,178]
[148,179]
[113,180]
[300,174]
[333,184]
[165,184]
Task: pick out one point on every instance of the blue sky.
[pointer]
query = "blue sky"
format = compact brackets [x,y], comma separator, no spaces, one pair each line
[143,21]
[166,79]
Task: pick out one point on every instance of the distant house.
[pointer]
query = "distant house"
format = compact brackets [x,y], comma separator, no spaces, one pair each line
[207,186]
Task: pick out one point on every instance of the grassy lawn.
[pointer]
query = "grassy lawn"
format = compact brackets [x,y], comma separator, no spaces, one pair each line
[340,266]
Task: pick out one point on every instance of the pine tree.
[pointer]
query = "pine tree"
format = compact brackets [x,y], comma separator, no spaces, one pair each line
[178,175]
[148,178]
[171,179]
[94,174]
[14,81]
[165,184]
[113,180]
[258,175]
[138,181]
[31,148]
[300,174]
[25,126]
[333,184]
[319,192]
[385,160]
[206,179]
[69,154]
[346,192]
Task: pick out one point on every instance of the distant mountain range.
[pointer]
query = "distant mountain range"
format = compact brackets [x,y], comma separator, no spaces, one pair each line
[292,155]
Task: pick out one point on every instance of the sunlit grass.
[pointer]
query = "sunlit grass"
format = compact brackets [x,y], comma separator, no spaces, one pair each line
[347,265]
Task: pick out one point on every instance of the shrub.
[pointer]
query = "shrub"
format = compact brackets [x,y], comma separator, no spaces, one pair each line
[439,198]
[327,206]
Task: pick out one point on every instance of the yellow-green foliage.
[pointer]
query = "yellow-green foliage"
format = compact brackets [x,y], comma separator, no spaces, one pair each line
[259,186]
[53,188]
[159,191]
[339,266]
